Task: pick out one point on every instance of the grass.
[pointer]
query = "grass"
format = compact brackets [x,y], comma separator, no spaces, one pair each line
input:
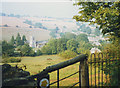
[36,64]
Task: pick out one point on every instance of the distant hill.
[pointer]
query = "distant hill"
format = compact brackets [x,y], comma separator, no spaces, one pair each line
[16,25]
[42,28]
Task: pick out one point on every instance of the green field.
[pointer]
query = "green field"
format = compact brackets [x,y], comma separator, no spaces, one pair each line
[36,64]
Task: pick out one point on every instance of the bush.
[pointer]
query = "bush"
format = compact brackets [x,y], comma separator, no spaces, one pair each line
[68,54]
[11,60]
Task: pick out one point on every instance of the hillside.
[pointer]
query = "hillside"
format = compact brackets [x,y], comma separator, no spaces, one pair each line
[16,25]
[43,28]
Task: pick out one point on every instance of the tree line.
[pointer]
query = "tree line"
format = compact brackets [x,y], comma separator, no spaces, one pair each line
[69,41]
[16,47]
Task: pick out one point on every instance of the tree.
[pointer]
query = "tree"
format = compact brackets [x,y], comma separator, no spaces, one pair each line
[82,37]
[23,40]
[12,41]
[84,47]
[67,54]
[7,49]
[72,45]
[46,50]
[18,40]
[61,45]
[26,50]
[69,35]
[104,14]
[38,52]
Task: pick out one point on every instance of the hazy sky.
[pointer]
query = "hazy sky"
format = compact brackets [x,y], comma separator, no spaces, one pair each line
[35,0]
[50,8]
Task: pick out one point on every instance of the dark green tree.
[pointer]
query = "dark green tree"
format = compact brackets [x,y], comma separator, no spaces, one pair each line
[26,50]
[12,41]
[7,49]
[23,39]
[18,40]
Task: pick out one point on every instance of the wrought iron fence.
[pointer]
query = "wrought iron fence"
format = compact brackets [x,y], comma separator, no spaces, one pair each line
[100,69]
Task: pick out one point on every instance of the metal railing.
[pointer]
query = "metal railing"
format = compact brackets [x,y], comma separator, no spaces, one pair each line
[99,64]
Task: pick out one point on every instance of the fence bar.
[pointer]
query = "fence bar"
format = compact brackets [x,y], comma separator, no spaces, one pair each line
[102,71]
[64,78]
[79,76]
[99,69]
[91,69]
[74,85]
[58,78]
[95,70]
[106,66]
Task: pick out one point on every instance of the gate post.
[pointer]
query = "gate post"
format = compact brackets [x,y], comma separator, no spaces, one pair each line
[84,73]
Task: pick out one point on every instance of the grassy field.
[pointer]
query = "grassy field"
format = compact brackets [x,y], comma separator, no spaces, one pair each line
[37,64]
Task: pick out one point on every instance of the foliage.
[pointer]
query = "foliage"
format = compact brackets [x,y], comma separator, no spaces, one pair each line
[12,41]
[18,40]
[26,50]
[23,39]
[69,35]
[38,53]
[114,73]
[11,60]
[105,14]
[72,45]
[68,42]
[46,50]
[61,45]
[68,54]
[82,37]
[84,47]
[7,49]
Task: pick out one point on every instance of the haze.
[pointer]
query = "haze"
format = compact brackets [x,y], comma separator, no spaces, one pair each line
[53,8]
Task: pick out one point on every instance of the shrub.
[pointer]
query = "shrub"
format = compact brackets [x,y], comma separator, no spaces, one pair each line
[68,54]
[11,60]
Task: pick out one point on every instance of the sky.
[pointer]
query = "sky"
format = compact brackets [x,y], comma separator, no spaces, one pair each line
[49,8]
[35,0]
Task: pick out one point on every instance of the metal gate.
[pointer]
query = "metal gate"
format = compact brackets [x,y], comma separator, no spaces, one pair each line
[100,69]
